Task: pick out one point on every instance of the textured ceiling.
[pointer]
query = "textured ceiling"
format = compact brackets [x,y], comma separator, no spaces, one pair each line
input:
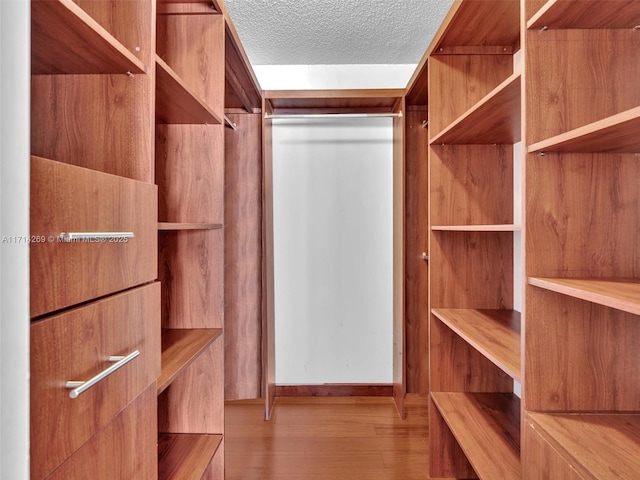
[334,32]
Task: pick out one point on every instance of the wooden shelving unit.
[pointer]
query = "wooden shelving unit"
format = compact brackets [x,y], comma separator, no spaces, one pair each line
[185,456]
[65,39]
[176,103]
[180,347]
[171,226]
[476,228]
[494,333]
[492,445]
[581,402]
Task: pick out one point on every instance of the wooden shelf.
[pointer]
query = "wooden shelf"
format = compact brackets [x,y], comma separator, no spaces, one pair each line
[476,228]
[185,456]
[295,102]
[65,39]
[487,428]
[494,333]
[170,226]
[621,294]
[595,445]
[586,14]
[496,28]
[495,119]
[180,347]
[618,133]
[176,103]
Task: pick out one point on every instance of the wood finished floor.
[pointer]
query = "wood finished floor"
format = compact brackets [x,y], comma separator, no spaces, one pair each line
[327,438]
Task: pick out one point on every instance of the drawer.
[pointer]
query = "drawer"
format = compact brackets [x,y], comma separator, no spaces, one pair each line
[76,346]
[70,199]
[125,449]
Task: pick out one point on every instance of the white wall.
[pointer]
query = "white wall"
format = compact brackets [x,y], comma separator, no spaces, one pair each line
[333,250]
[14,221]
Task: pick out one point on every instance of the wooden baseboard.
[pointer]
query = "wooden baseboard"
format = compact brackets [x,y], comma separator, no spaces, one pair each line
[336,389]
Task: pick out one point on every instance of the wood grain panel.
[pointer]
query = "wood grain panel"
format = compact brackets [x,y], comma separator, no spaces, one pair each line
[194,402]
[580,211]
[333,101]
[190,173]
[243,258]
[532,7]
[458,82]
[193,46]
[456,366]
[597,64]
[191,268]
[65,198]
[75,346]
[335,389]
[216,469]
[596,446]
[125,448]
[417,242]
[541,461]
[102,122]
[471,185]
[476,270]
[595,370]
[242,89]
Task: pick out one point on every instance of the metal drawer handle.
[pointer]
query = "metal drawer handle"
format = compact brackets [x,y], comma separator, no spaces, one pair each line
[94,236]
[81,387]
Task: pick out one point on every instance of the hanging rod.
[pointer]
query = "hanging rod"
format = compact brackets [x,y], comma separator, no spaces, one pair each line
[340,115]
[230,123]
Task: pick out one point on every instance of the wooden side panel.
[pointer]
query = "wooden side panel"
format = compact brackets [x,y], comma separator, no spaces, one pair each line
[125,448]
[471,185]
[66,198]
[575,77]
[417,242]
[194,402]
[216,469]
[193,46]
[243,258]
[541,461]
[190,173]
[268,297]
[457,82]
[399,370]
[191,268]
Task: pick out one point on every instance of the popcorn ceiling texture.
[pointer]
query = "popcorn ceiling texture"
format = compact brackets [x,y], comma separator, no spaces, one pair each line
[330,32]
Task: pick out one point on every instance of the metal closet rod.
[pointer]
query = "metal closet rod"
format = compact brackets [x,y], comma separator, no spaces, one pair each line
[340,115]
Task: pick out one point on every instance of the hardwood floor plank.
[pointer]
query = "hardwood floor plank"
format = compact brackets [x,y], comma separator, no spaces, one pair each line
[322,438]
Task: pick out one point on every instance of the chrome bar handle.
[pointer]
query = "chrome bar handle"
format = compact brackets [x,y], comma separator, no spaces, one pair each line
[81,387]
[94,236]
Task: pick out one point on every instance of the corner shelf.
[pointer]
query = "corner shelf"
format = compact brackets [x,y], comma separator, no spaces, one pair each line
[492,446]
[565,14]
[618,133]
[180,347]
[495,119]
[494,333]
[621,294]
[185,456]
[175,101]
[476,228]
[79,45]
[171,227]
[595,445]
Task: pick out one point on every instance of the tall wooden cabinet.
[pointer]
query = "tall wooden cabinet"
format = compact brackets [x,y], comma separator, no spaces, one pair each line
[127,235]
[545,90]
[95,304]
